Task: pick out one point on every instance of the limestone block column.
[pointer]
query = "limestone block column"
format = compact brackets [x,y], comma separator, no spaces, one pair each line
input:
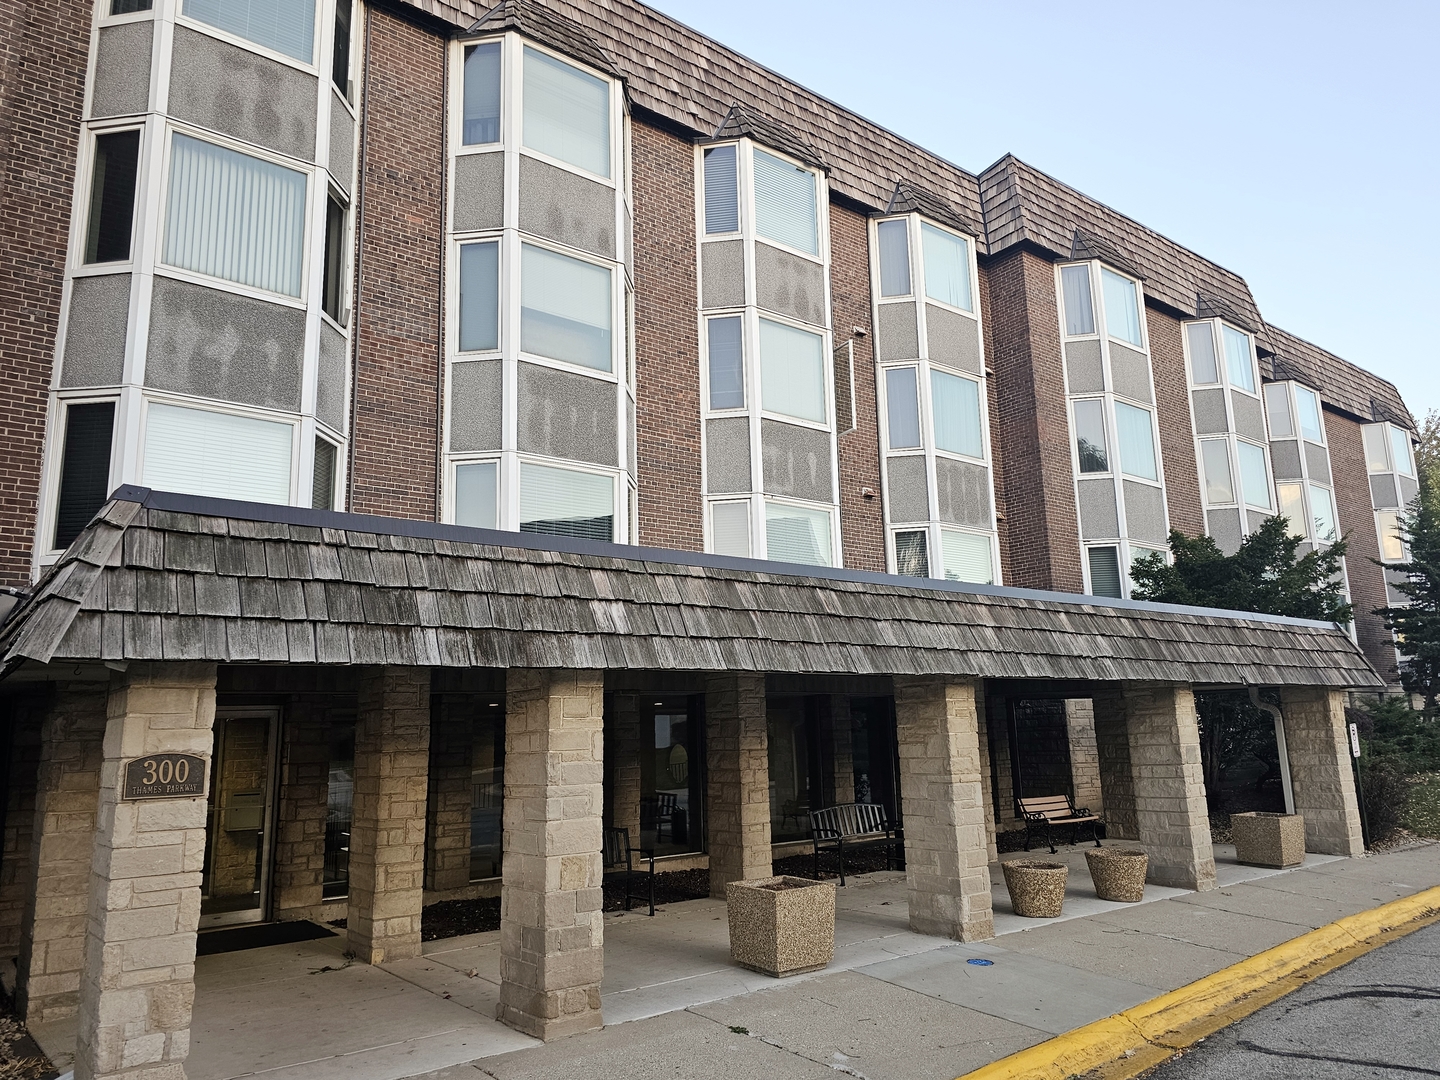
[1084,755]
[946,857]
[387,831]
[623,746]
[52,942]
[1112,753]
[842,750]
[138,983]
[987,794]
[1320,771]
[551,936]
[447,836]
[738,757]
[300,812]
[1170,813]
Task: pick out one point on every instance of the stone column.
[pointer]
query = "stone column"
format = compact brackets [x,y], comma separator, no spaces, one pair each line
[300,813]
[946,860]
[138,984]
[1112,752]
[987,794]
[738,802]
[387,831]
[623,746]
[52,942]
[551,931]
[1084,755]
[447,836]
[1321,774]
[1170,813]
[842,751]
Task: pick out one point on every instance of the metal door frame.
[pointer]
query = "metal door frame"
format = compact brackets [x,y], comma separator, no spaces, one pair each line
[272,792]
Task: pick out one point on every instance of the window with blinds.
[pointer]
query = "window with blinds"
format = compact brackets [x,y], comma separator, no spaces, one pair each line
[564,308]
[967,557]
[287,26]
[722,191]
[1239,359]
[730,528]
[1136,437]
[198,452]
[785,209]
[797,534]
[912,558]
[727,367]
[1204,364]
[566,113]
[84,468]
[565,502]
[792,371]
[480,123]
[1105,572]
[476,487]
[893,240]
[322,487]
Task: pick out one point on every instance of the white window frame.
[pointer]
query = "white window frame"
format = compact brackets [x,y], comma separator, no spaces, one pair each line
[53,460]
[319,37]
[301,465]
[512,84]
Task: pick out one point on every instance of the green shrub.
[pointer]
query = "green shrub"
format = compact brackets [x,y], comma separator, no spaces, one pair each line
[1387,795]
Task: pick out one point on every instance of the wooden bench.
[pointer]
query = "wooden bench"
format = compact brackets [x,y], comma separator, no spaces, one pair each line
[851,826]
[1051,810]
[618,859]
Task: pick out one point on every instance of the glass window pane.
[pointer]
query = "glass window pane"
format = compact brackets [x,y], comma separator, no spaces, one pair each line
[1079,309]
[902,408]
[1204,365]
[947,267]
[1105,572]
[322,487]
[287,26]
[956,404]
[1254,475]
[1090,436]
[332,291]
[564,502]
[1400,451]
[198,452]
[1392,543]
[112,197]
[1239,361]
[727,366]
[1122,307]
[479,297]
[730,528]
[487,788]
[1137,441]
[785,203]
[722,192]
[1322,508]
[339,809]
[84,468]
[792,371]
[566,113]
[564,308]
[1377,457]
[967,557]
[476,487]
[894,244]
[1219,484]
[340,54]
[128,7]
[793,775]
[797,534]
[234,216]
[481,120]
[1292,508]
[911,556]
[1277,408]
[1307,405]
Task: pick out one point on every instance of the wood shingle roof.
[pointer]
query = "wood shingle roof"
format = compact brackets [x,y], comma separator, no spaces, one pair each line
[1341,383]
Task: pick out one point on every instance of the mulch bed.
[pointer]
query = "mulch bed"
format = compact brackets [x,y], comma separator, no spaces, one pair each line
[20,1058]
[858,862]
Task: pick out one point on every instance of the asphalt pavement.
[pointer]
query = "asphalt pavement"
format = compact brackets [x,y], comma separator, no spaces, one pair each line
[1378,1016]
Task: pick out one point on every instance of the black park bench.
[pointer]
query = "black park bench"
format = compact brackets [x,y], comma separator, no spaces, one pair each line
[852,826]
[1049,811]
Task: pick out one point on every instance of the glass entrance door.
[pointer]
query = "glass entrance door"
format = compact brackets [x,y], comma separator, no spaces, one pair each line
[235,885]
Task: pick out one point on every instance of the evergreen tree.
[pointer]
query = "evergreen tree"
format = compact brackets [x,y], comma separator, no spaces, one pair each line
[1417,624]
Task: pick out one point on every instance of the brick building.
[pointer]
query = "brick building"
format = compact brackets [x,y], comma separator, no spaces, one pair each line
[360,349]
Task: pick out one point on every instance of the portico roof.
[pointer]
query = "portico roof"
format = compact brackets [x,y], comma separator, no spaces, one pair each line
[159,576]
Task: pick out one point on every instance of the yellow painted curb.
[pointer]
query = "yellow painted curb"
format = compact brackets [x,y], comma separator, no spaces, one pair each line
[1130,1042]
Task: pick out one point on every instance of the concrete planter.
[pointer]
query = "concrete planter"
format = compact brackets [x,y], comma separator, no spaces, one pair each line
[1118,873]
[1276,840]
[782,925]
[1037,889]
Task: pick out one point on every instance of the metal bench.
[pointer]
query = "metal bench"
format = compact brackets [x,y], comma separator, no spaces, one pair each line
[1049,811]
[850,826]
[618,859]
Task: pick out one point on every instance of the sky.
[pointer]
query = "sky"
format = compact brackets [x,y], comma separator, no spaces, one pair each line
[1297,144]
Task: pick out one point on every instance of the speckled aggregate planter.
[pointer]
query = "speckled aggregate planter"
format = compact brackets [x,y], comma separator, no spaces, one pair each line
[1118,873]
[1037,889]
[1269,839]
[781,932]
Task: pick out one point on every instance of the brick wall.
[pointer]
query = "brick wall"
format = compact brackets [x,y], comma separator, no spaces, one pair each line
[44,49]
[667,340]
[862,520]
[1042,547]
[992,404]
[1172,403]
[397,365]
[1357,525]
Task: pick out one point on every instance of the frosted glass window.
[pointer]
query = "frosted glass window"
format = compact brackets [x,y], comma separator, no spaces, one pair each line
[912,557]
[1307,407]
[475,494]
[947,267]
[797,534]
[1292,508]
[785,203]
[564,308]
[1122,307]
[479,297]
[967,557]
[1238,360]
[1277,408]
[722,191]
[727,365]
[566,113]
[1392,542]
[1204,365]
[1137,441]
[1400,451]
[234,216]
[792,372]
[894,243]
[1322,510]
[482,95]
[565,502]
[1377,458]
[730,528]
[1105,572]
[1254,475]
[1219,483]
[1090,436]
[1079,308]
[902,408]
[287,26]
[198,452]
[956,405]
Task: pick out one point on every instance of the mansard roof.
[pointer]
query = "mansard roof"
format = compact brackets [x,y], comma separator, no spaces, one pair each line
[1364,395]
[742,120]
[908,198]
[546,27]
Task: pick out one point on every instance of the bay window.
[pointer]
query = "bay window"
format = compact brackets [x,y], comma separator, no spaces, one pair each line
[84,467]
[480,120]
[222,455]
[1254,475]
[947,267]
[730,528]
[286,26]
[1392,537]
[785,203]
[797,534]
[1322,511]
[724,343]
[956,406]
[332,289]
[792,372]
[322,482]
[476,494]
[1136,438]
[1090,442]
[1204,364]
[1104,563]
[566,502]
[722,190]
[902,408]
[967,556]
[1400,451]
[1079,307]
[1239,358]
[1307,405]
[1215,463]
[565,113]
[911,554]
[893,238]
[565,308]
[112,197]
[1122,307]
[479,297]
[1291,498]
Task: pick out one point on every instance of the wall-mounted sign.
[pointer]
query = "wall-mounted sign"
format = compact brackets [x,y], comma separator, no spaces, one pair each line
[164,776]
[1354,741]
